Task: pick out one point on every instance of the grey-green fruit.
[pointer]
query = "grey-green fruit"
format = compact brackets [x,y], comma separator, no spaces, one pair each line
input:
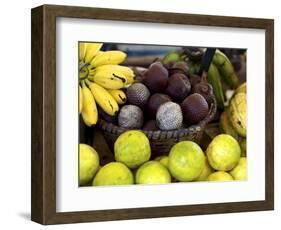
[130,117]
[153,172]
[137,94]
[169,116]
[113,173]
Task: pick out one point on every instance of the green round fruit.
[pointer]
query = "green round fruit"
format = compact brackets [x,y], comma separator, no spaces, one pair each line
[164,160]
[88,163]
[239,172]
[207,170]
[220,176]
[223,152]
[132,148]
[186,161]
[113,173]
[153,172]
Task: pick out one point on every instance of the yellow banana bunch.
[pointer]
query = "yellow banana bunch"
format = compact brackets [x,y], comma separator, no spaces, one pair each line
[126,71]
[113,57]
[103,98]
[89,109]
[118,95]
[109,79]
[102,81]
[80,99]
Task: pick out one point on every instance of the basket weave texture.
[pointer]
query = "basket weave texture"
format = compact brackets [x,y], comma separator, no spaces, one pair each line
[161,141]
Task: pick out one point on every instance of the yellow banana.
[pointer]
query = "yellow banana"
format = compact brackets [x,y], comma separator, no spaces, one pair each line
[80,99]
[109,79]
[91,51]
[104,98]
[89,111]
[113,57]
[82,50]
[118,95]
[126,71]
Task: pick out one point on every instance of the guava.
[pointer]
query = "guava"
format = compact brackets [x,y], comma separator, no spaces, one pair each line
[132,148]
[220,176]
[186,161]
[239,172]
[207,170]
[223,152]
[113,173]
[88,163]
[153,172]
[163,160]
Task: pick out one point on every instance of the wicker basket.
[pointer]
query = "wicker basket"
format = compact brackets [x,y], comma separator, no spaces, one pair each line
[161,141]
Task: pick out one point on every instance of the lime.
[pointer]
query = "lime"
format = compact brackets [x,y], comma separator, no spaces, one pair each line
[239,172]
[163,160]
[207,170]
[132,148]
[88,163]
[223,152]
[153,172]
[186,161]
[220,176]
[113,173]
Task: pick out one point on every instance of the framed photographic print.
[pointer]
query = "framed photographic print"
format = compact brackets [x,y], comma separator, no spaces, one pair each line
[139,114]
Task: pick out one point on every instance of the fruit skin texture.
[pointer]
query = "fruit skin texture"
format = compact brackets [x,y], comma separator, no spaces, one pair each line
[132,148]
[154,102]
[207,170]
[88,163]
[153,172]
[113,173]
[186,161]
[156,77]
[220,176]
[239,172]
[138,94]
[194,108]
[223,152]
[169,116]
[130,117]
[238,113]
[104,99]
[89,111]
[178,87]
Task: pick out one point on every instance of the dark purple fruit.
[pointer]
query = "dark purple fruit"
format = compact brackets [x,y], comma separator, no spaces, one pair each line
[150,125]
[156,77]
[154,103]
[204,89]
[179,67]
[137,94]
[194,108]
[178,87]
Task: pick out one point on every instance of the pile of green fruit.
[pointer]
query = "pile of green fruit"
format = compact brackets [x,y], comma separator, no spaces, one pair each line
[185,162]
[164,99]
